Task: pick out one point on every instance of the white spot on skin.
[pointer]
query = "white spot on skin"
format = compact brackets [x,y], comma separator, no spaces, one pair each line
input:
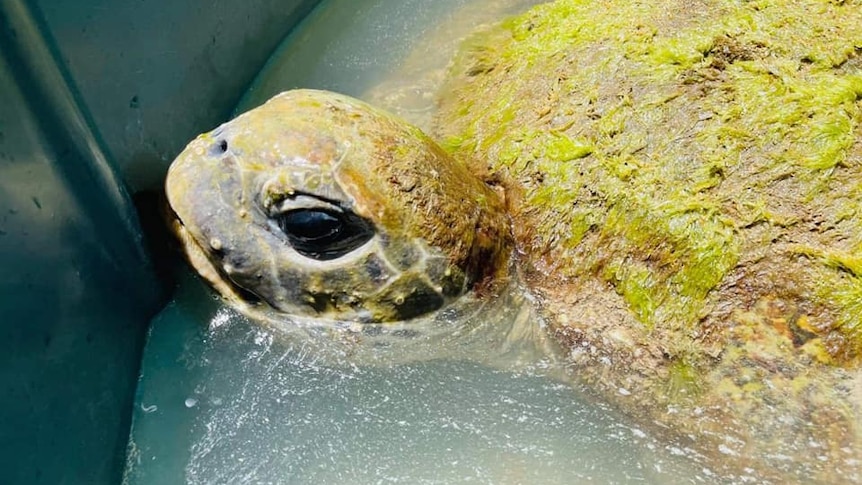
[724,449]
[215,243]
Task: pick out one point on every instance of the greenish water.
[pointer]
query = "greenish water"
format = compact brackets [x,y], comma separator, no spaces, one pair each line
[222,401]
[347,46]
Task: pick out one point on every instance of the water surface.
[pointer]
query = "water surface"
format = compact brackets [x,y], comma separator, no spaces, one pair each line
[222,401]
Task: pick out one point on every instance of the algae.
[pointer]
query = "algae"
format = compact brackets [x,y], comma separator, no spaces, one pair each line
[670,130]
[700,165]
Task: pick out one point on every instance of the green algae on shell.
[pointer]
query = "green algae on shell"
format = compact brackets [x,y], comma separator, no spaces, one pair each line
[692,173]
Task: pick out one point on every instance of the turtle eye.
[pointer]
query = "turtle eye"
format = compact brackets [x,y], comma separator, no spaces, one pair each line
[324,234]
[311,225]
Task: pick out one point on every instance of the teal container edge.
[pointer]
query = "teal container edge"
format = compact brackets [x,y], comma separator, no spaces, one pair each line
[77,287]
[31,55]
[156,74]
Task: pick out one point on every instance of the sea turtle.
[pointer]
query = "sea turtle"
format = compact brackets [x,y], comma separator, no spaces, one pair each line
[677,183]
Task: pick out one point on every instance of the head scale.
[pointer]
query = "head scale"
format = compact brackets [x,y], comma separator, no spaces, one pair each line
[319,205]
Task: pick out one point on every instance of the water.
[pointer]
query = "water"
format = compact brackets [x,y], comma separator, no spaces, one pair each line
[382,51]
[223,401]
[347,45]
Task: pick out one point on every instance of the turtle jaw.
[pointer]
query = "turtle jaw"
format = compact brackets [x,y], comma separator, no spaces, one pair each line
[201,261]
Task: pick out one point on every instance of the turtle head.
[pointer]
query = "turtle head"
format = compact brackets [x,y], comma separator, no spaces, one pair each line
[319,205]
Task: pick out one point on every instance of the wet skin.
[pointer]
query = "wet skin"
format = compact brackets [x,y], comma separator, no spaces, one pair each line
[319,205]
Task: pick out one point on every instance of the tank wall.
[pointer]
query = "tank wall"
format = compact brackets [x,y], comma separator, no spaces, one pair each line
[155,74]
[76,286]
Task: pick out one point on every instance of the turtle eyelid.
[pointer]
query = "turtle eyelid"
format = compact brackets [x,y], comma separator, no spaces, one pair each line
[305,200]
[322,199]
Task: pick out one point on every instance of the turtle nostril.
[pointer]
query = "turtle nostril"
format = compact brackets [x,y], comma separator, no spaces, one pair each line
[219,148]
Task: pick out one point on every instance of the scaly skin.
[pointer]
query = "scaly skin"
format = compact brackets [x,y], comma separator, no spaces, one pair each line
[439,231]
[685,182]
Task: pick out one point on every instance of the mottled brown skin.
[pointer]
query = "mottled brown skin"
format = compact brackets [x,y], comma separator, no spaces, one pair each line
[438,230]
